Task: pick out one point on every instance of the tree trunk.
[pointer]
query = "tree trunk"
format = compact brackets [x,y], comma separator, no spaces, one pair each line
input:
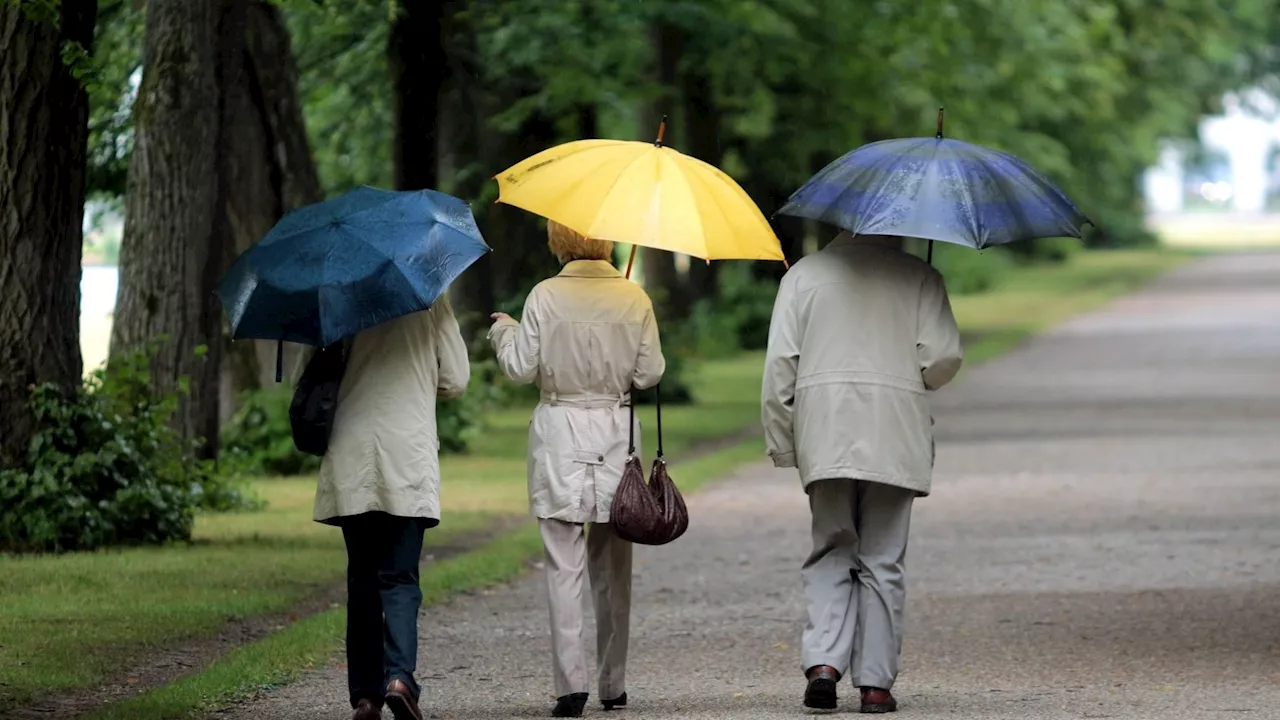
[660,276]
[272,168]
[176,224]
[702,133]
[417,60]
[43,141]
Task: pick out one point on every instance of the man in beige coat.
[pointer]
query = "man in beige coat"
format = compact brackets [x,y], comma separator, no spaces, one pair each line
[380,482]
[861,332]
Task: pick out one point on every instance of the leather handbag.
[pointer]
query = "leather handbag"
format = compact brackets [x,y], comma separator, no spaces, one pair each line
[653,512]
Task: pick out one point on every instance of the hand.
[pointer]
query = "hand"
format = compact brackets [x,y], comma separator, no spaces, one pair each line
[500,316]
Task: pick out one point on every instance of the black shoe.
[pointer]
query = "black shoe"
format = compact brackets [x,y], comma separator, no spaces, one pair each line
[570,705]
[619,702]
[820,694]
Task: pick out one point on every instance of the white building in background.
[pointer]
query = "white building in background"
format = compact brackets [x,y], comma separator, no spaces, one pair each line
[1246,133]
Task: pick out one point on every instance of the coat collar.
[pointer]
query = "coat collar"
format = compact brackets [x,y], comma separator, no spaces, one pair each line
[590,269]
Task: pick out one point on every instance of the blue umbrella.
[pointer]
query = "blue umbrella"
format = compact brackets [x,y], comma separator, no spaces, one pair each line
[329,270]
[937,189]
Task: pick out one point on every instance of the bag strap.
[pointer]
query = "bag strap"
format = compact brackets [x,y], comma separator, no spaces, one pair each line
[631,428]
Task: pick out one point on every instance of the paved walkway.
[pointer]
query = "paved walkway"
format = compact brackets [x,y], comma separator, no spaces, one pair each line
[1103,542]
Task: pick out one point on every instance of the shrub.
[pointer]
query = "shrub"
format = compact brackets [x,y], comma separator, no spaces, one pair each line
[258,439]
[106,468]
[968,271]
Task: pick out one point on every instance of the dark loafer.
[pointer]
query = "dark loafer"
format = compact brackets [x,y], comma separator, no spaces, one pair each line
[877,701]
[820,694]
[404,706]
[570,705]
[616,703]
[366,710]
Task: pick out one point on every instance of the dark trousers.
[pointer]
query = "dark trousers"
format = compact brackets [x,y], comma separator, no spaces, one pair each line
[383,598]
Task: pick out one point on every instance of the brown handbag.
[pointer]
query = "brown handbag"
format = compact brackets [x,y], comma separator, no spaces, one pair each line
[651,513]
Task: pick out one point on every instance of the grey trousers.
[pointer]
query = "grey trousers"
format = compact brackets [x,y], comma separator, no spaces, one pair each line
[570,546]
[854,579]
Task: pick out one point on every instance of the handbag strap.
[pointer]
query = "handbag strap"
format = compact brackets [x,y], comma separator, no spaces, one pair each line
[631,428]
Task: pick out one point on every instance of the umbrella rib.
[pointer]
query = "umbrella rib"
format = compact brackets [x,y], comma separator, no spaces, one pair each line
[612,186]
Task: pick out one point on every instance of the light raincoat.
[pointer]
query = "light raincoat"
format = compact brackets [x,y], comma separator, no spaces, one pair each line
[586,337]
[861,332]
[384,452]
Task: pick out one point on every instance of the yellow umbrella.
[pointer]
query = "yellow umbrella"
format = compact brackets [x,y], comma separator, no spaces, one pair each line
[641,194]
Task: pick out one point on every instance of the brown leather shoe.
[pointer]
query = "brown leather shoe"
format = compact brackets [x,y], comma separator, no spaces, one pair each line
[366,710]
[820,694]
[877,701]
[404,706]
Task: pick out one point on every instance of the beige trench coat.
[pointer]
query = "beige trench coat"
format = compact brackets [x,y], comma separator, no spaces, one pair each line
[384,453]
[860,332]
[586,337]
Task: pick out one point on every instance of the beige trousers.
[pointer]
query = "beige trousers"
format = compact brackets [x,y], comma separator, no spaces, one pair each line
[607,558]
[854,580]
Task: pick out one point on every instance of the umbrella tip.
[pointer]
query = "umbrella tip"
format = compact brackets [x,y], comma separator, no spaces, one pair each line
[939,135]
[662,130]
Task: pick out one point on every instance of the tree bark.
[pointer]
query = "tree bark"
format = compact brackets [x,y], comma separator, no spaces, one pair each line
[417,60]
[702,133]
[272,170]
[660,276]
[176,224]
[43,143]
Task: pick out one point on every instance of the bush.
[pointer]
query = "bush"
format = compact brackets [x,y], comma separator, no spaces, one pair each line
[258,439]
[105,468]
[968,271]
[736,319]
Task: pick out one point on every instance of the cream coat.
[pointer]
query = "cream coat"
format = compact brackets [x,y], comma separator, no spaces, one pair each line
[860,332]
[384,453]
[586,337]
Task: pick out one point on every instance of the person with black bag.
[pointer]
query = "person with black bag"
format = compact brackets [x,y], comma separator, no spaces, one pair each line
[369,405]
[586,337]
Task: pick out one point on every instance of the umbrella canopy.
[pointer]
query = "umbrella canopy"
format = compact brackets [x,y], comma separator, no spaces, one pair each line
[937,189]
[329,270]
[641,194]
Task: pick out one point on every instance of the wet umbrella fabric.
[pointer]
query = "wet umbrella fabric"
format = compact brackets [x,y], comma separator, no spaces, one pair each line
[937,189]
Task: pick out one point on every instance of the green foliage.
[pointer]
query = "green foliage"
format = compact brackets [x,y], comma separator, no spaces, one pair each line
[735,318]
[105,468]
[258,439]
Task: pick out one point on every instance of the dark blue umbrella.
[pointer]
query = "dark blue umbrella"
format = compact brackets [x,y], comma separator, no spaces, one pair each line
[327,271]
[937,189]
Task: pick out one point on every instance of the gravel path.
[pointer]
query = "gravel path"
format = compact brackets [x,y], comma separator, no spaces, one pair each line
[1103,542]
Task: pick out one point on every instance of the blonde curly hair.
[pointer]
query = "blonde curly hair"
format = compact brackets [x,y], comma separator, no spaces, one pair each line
[568,245]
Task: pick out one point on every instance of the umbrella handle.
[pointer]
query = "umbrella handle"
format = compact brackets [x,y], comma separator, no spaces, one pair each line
[929,259]
[631,260]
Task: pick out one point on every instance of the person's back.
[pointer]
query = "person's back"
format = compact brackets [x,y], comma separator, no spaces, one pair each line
[865,329]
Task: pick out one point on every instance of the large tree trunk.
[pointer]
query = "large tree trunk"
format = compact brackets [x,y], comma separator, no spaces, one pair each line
[176,225]
[272,169]
[416,56]
[660,276]
[43,140]
[702,137]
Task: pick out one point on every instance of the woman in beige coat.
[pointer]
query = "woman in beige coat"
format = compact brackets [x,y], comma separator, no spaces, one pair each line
[586,337]
[380,482]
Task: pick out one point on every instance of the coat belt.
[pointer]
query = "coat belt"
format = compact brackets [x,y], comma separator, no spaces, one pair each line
[589,401]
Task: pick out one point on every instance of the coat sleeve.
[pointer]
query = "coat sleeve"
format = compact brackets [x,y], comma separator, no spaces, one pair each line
[451,350]
[781,364]
[516,344]
[650,363]
[937,338]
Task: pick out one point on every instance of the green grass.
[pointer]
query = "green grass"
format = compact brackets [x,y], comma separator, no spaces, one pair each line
[71,621]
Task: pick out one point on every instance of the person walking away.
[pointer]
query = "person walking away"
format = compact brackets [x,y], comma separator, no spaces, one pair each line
[380,482]
[587,337]
[861,332]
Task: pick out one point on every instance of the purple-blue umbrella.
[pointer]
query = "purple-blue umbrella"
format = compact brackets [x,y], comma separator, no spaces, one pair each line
[937,189]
